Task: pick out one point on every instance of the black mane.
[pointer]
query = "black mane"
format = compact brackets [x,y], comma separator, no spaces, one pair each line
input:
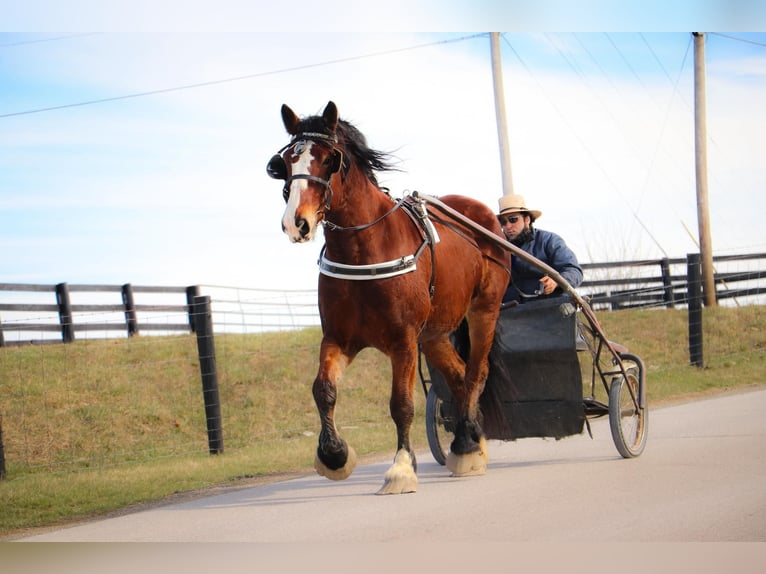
[354,145]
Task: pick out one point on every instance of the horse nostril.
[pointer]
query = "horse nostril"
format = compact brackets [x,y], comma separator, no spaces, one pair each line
[303,226]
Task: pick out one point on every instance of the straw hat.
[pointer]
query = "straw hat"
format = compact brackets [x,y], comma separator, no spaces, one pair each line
[516,204]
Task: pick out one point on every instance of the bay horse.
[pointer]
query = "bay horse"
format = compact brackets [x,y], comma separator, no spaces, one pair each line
[393,276]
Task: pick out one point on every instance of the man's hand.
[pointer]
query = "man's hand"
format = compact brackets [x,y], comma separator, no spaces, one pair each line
[548,284]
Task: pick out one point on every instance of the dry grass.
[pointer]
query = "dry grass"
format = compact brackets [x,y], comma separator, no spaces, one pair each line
[128,417]
[734,342]
[108,402]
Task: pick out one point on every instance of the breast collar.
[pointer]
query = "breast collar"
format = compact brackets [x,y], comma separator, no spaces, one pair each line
[415,208]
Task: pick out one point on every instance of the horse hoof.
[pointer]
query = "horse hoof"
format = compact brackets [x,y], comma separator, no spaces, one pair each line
[400,478]
[471,464]
[341,473]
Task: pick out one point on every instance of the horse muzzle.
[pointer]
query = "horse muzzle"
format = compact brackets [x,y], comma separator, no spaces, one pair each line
[299,229]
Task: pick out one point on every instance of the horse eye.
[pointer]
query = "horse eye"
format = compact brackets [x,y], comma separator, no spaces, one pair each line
[332,162]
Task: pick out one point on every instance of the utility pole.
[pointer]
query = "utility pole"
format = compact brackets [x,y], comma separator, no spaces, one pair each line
[700,147]
[502,130]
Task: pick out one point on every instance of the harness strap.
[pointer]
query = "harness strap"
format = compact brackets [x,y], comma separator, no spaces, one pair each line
[416,208]
[319,180]
[366,272]
[333,227]
[416,211]
[302,138]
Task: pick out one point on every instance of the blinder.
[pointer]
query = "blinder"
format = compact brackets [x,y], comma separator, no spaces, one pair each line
[277,168]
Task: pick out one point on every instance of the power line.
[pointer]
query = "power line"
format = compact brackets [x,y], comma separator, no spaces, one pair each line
[744,40]
[52,39]
[240,78]
[585,147]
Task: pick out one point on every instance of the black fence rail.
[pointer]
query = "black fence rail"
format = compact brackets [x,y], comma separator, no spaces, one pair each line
[55,310]
[665,282]
[32,313]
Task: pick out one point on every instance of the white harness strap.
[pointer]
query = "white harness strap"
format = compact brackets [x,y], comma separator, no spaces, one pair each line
[383,270]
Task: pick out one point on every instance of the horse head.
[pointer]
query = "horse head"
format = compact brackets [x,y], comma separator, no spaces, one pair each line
[309,166]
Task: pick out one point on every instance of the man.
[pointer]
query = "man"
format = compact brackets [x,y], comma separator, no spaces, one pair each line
[528,282]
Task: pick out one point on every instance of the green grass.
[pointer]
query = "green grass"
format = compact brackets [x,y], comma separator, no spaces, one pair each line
[98,426]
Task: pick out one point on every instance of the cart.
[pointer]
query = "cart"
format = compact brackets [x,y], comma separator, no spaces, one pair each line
[552,370]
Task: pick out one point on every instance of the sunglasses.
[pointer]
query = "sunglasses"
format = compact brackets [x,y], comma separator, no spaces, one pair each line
[511,219]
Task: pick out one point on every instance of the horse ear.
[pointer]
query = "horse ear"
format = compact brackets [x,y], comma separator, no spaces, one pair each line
[290,120]
[330,116]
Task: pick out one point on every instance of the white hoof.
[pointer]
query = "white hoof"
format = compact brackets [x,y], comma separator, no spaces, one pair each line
[472,464]
[341,473]
[400,478]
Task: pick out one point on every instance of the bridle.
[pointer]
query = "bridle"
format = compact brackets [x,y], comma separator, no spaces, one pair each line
[277,167]
[415,209]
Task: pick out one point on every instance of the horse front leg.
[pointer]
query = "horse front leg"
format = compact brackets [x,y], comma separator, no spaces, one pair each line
[402,477]
[334,458]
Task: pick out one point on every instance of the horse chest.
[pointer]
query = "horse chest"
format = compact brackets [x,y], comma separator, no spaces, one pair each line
[398,300]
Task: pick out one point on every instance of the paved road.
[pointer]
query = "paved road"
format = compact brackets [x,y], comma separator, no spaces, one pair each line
[702,477]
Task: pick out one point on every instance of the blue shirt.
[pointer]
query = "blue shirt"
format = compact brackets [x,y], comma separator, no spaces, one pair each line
[551,250]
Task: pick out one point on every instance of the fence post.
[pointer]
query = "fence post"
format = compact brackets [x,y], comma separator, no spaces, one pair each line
[667,283]
[65,313]
[2,451]
[192,293]
[203,326]
[2,337]
[694,286]
[130,309]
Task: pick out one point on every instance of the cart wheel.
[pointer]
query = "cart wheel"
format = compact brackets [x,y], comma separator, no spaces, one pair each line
[439,427]
[628,424]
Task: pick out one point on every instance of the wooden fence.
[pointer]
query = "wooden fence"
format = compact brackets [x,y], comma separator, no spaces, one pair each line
[55,309]
[196,311]
[665,282]
[56,312]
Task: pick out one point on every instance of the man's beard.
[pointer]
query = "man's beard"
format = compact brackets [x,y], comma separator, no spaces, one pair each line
[522,237]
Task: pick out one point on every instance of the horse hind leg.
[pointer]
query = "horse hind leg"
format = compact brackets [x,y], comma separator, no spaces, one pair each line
[468,451]
[335,459]
[469,456]
[466,372]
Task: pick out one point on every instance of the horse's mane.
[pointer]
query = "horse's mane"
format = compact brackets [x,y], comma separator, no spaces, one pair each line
[354,145]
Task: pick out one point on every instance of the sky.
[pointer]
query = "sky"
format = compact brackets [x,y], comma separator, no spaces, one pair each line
[134,149]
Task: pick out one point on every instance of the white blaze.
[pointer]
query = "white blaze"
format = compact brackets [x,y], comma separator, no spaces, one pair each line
[301,167]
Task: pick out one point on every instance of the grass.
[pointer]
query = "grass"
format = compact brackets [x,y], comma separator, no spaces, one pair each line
[93,427]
